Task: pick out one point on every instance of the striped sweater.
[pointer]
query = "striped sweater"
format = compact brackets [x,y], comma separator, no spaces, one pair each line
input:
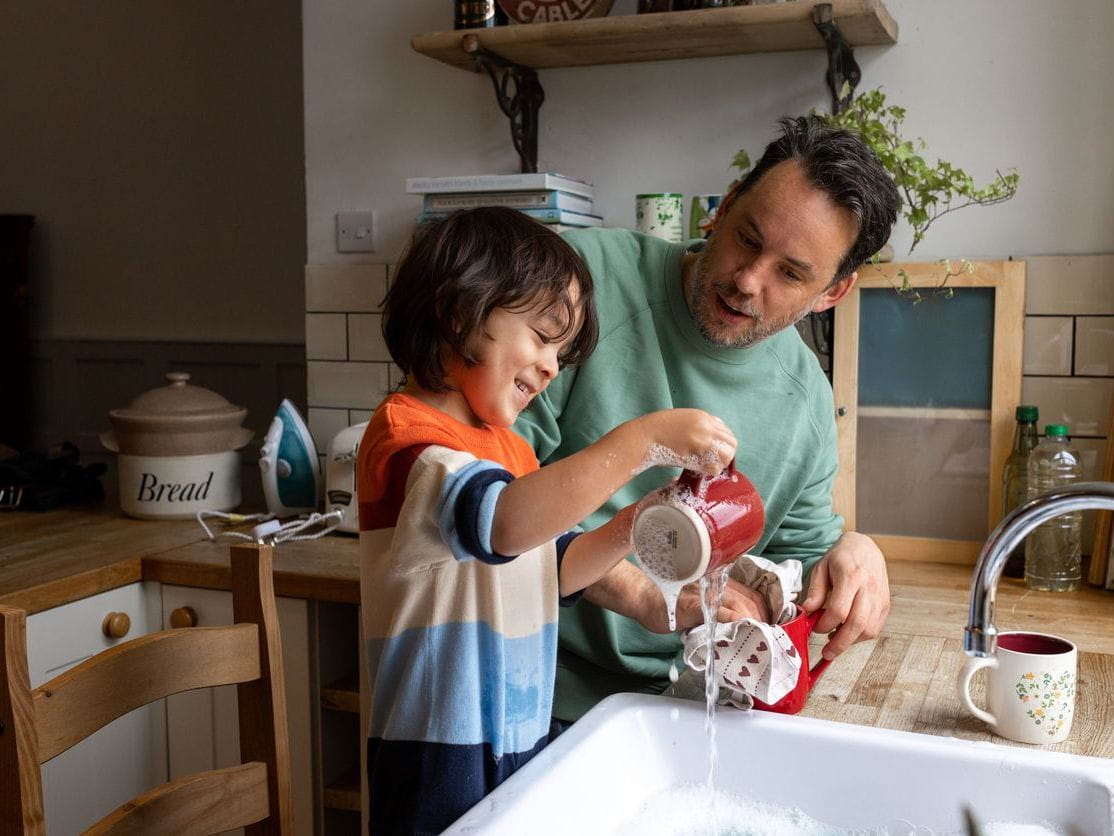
[461,641]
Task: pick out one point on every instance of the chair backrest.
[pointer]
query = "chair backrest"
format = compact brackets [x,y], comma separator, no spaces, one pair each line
[38,725]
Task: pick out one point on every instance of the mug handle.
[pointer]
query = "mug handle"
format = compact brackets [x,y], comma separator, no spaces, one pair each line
[818,669]
[965,677]
[694,480]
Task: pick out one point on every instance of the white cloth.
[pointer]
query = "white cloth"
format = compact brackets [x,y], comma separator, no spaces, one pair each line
[778,583]
[753,659]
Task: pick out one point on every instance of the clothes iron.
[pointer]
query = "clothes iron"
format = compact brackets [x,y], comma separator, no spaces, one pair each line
[288,465]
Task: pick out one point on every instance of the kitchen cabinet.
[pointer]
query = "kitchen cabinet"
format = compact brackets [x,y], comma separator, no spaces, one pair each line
[342,737]
[202,726]
[126,757]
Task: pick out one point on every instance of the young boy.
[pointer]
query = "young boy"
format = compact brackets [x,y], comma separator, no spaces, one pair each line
[465,548]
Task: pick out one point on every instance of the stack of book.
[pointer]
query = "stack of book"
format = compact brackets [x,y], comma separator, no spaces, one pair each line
[555,200]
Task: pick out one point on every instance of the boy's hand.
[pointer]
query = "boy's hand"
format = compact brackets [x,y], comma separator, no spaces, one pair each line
[688,438]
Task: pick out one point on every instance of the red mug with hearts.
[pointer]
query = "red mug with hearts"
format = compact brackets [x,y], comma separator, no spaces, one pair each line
[799,628]
[697,524]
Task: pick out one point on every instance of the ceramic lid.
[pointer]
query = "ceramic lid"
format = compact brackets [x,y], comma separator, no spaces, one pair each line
[177,420]
[178,399]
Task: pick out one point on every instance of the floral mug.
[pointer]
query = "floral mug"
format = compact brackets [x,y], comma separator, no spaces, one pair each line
[1030,689]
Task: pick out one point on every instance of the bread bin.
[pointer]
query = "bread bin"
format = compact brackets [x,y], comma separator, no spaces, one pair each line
[178,449]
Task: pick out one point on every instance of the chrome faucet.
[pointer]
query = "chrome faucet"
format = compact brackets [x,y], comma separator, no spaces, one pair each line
[981,637]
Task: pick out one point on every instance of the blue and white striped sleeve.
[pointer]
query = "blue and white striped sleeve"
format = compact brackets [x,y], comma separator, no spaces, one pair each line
[466,510]
[562,545]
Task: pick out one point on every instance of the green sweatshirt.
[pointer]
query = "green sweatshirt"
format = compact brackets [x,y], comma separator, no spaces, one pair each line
[651,356]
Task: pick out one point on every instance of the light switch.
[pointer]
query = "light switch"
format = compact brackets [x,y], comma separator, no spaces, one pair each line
[355,232]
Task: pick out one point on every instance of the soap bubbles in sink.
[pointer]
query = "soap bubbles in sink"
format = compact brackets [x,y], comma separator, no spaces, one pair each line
[689,810]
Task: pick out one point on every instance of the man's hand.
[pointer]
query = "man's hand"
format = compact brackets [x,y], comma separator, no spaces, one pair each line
[738,602]
[850,582]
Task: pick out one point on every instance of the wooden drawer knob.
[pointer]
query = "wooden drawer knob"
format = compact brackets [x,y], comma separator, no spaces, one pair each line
[183,617]
[116,625]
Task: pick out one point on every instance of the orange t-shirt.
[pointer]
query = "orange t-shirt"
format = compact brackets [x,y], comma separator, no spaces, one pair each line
[399,430]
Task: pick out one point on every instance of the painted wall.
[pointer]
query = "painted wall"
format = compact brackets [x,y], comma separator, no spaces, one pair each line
[160,147]
[988,84]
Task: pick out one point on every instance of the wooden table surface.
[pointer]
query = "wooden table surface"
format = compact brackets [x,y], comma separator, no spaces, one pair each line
[905,679]
[53,558]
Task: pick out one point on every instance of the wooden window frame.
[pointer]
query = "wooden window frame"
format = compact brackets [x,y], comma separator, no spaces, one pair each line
[1007,279]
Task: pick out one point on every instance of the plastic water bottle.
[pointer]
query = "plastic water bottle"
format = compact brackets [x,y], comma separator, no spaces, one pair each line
[1052,552]
[1015,478]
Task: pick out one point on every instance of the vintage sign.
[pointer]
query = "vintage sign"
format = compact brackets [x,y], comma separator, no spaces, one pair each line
[545,11]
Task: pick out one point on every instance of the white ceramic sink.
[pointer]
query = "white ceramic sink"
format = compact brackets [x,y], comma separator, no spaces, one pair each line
[596,777]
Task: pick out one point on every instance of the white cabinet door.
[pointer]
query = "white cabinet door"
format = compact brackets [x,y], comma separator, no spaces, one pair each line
[203,725]
[126,757]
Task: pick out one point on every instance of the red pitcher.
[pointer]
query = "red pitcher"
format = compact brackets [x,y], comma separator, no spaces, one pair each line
[799,628]
[697,524]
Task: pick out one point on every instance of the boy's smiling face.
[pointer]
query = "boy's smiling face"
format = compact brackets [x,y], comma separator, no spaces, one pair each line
[518,354]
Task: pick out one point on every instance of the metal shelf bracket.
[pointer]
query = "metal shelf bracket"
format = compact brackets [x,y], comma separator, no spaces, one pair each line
[520,97]
[842,67]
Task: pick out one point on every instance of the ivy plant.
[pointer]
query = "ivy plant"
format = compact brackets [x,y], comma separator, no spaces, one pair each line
[927,191]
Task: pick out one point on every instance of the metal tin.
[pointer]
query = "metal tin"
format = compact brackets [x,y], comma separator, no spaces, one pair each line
[550,11]
[477,14]
[660,215]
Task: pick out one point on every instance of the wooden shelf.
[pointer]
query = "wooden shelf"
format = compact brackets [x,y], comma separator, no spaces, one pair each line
[344,793]
[664,36]
[343,695]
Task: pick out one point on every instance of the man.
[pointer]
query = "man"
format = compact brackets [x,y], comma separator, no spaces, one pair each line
[711,329]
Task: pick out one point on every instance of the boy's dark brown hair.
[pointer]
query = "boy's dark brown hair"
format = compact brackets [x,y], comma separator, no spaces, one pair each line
[459,269]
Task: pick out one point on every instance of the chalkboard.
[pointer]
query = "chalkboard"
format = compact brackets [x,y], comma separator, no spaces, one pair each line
[937,353]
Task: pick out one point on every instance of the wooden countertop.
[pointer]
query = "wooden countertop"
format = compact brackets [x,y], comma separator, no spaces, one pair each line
[905,679]
[52,558]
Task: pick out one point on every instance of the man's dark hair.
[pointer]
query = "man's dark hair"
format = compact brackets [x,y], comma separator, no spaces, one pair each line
[457,270]
[842,166]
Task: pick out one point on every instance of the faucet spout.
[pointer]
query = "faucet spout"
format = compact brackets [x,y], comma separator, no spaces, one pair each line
[981,637]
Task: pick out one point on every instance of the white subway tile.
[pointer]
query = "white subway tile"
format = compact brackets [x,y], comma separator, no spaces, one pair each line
[1070,284]
[1094,345]
[1083,403]
[1047,345]
[358,416]
[326,336]
[324,424]
[345,287]
[346,385]
[365,338]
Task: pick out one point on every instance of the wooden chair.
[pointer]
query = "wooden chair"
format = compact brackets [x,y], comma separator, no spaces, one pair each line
[35,726]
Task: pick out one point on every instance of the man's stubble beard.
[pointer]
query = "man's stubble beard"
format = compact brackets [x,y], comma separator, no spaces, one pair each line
[701,291]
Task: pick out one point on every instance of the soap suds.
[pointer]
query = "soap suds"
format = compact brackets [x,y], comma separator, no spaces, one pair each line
[658,455]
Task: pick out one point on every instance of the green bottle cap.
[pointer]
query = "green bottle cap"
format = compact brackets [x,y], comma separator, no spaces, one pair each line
[1027,413]
[1056,429]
